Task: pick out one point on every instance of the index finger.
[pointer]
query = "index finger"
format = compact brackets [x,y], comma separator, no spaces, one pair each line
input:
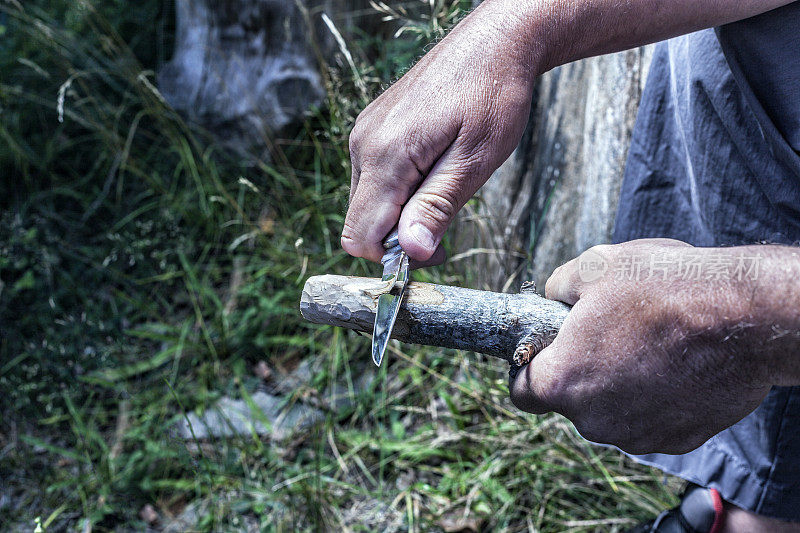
[375,207]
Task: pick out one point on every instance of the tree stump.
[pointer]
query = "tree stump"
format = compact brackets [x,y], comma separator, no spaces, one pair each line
[248,69]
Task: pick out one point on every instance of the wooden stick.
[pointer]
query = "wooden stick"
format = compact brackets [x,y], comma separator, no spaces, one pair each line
[513,327]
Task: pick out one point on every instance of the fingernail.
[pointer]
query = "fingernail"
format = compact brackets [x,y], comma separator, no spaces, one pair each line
[422,235]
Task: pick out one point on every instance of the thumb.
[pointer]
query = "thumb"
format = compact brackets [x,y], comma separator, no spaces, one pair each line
[450,184]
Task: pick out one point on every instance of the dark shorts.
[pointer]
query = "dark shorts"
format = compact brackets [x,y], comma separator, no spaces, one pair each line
[706,166]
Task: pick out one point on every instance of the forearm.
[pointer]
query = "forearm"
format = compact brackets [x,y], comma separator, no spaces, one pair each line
[561,31]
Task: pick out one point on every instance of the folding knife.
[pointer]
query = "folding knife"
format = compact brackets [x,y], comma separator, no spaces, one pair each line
[395,272]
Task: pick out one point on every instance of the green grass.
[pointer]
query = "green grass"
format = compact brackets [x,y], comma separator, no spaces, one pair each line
[145,272]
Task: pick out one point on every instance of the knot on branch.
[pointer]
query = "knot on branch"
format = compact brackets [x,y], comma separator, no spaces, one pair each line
[527,350]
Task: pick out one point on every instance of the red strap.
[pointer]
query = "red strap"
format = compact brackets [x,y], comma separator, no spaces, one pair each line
[716,500]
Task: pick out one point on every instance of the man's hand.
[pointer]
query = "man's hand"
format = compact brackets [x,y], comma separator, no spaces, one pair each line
[429,142]
[666,344]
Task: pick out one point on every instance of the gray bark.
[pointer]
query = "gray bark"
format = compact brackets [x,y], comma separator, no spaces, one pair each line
[513,327]
[248,69]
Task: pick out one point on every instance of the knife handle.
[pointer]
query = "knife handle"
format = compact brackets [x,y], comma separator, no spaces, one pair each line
[392,240]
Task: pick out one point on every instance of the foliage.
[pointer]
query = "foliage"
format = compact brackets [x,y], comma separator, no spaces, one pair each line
[145,271]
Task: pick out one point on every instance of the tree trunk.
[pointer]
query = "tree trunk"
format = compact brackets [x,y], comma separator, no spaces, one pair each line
[248,69]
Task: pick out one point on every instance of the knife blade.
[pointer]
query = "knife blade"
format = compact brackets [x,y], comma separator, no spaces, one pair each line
[395,273]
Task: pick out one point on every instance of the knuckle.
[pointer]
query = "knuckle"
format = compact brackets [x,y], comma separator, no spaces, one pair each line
[370,139]
[353,240]
[380,150]
[599,249]
[551,284]
[416,147]
[438,207]
[353,144]
[564,284]
[357,133]
[599,254]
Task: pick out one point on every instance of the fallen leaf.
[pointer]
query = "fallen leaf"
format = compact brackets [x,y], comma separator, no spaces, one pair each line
[456,522]
[262,370]
[149,514]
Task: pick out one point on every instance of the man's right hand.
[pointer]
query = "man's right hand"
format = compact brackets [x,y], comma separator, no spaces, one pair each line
[427,144]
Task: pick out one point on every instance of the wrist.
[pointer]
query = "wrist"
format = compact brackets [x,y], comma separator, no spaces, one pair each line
[769,303]
[740,302]
[556,32]
[520,24]
[561,31]
[750,310]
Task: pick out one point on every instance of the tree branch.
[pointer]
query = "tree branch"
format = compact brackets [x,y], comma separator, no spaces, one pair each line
[513,327]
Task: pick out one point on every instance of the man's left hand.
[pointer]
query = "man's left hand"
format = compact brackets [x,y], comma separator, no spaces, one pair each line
[658,353]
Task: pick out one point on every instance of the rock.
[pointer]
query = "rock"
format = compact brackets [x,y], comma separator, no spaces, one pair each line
[288,382]
[187,520]
[231,417]
[364,513]
[262,370]
[337,395]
